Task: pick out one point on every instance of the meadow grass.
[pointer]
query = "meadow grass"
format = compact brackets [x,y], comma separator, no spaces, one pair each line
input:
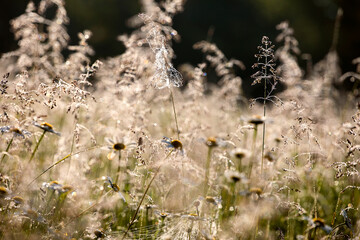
[129,147]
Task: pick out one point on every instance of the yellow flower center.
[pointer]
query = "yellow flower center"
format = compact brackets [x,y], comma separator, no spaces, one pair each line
[3,191]
[119,146]
[47,125]
[16,130]
[240,155]
[258,191]
[211,142]
[257,119]
[176,144]
[319,221]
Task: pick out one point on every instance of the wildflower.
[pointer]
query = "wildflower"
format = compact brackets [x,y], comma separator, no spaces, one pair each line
[116,188]
[318,223]
[256,120]
[345,215]
[163,215]
[114,146]
[4,192]
[269,156]
[176,144]
[256,190]
[212,142]
[57,187]
[33,215]
[196,203]
[66,188]
[213,200]
[192,216]
[234,176]
[99,233]
[239,153]
[54,185]
[18,200]
[47,127]
[16,131]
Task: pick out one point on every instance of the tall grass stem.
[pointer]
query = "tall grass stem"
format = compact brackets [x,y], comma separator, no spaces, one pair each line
[37,145]
[7,149]
[175,115]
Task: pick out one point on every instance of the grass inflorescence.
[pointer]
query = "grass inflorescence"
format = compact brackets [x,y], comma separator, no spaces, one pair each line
[148,150]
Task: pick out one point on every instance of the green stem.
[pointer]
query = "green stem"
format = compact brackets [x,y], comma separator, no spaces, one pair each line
[72,148]
[253,151]
[267,229]
[37,145]
[176,121]
[207,171]
[7,149]
[263,137]
[118,173]
[335,38]
[336,208]
[60,161]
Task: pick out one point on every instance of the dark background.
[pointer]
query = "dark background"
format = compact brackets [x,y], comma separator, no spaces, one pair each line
[238,26]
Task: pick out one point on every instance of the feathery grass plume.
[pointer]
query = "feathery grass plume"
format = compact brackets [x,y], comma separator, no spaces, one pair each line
[40,40]
[328,69]
[225,70]
[4,83]
[197,78]
[288,69]
[267,74]
[238,154]
[354,77]
[166,76]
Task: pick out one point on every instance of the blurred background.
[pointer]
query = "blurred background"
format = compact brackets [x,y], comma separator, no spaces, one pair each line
[238,26]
